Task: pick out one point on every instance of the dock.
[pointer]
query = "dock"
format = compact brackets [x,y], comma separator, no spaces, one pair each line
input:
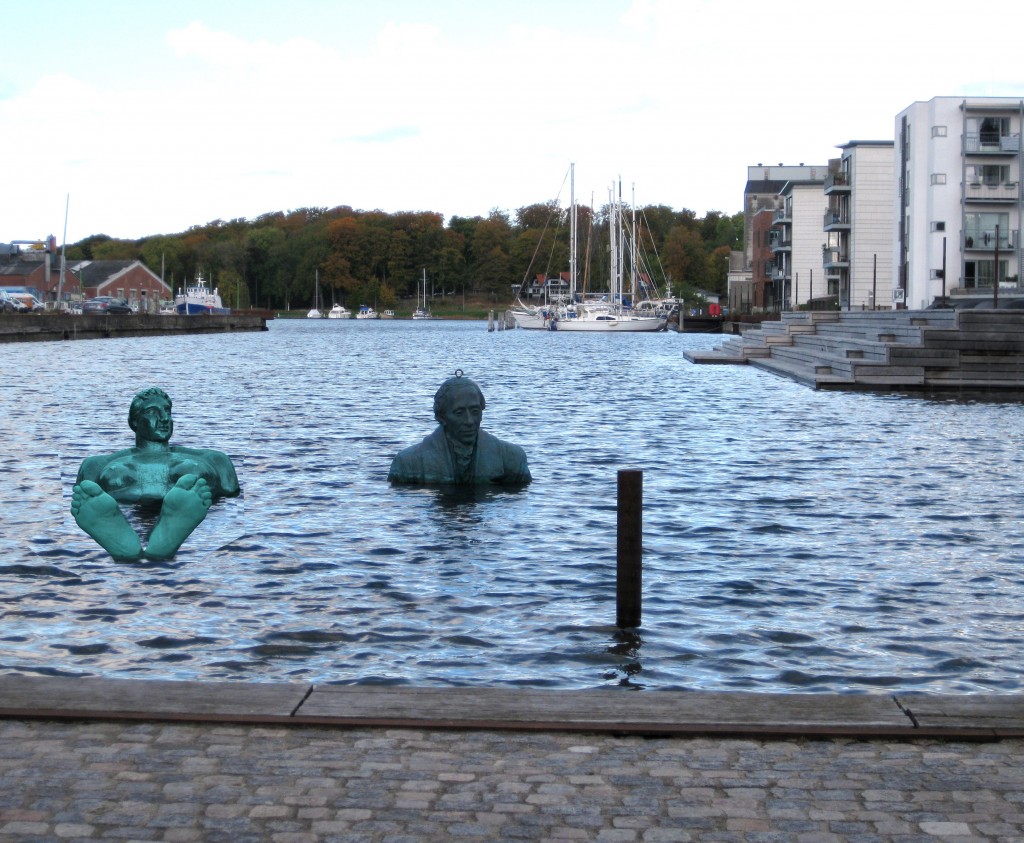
[91,758]
[53,327]
[607,711]
[932,350]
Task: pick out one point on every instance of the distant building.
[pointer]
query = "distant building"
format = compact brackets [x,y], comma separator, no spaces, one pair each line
[858,225]
[130,280]
[958,199]
[797,243]
[761,192]
[37,271]
[766,296]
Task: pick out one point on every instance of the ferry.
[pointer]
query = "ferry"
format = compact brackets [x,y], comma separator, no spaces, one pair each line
[198,299]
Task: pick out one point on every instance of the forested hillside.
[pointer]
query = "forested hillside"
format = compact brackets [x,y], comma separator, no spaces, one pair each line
[372,256]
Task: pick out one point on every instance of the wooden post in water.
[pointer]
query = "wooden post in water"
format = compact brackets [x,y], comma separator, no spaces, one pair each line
[629,549]
[490,320]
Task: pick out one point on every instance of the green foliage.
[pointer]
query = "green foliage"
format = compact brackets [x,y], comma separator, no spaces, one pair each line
[378,258]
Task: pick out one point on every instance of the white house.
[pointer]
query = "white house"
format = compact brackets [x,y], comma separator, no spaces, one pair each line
[859,225]
[957,199]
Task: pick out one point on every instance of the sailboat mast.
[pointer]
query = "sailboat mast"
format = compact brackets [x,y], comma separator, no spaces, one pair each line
[613,247]
[632,256]
[572,233]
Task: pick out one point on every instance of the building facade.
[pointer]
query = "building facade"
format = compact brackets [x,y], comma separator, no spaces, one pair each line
[858,226]
[958,199]
[797,243]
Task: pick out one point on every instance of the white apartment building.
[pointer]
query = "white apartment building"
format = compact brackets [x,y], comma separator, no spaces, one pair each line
[797,243]
[958,200]
[858,226]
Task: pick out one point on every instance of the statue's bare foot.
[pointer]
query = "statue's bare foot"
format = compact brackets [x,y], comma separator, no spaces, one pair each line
[99,515]
[184,508]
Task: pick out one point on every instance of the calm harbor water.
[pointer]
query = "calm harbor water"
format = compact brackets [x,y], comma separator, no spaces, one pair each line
[794,540]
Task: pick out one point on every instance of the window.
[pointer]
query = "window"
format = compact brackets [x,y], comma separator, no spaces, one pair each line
[980,230]
[990,174]
[938,131]
[993,128]
[938,226]
[938,178]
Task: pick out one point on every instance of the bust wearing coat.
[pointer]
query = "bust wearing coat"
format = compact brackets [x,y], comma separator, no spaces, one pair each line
[458,452]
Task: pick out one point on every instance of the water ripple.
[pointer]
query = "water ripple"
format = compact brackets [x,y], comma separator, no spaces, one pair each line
[794,540]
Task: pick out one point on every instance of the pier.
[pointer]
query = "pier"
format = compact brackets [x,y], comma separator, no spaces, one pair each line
[47,327]
[92,758]
[934,350]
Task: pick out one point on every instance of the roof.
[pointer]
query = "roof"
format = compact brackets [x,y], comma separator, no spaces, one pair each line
[94,273]
[20,267]
[771,186]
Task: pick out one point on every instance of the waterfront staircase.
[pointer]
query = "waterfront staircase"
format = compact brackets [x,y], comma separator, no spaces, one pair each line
[963,349]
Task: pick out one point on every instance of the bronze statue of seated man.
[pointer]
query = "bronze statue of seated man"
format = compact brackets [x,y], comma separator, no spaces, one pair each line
[182,482]
[458,452]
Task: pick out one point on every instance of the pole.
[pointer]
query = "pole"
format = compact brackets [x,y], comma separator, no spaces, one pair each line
[874,281]
[943,271]
[63,249]
[629,549]
[995,283]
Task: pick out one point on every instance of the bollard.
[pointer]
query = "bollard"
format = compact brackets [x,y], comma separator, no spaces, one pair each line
[629,549]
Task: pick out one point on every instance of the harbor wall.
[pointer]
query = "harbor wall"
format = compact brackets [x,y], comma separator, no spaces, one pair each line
[44,327]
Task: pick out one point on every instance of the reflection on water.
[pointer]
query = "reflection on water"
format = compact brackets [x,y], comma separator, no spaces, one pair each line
[794,540]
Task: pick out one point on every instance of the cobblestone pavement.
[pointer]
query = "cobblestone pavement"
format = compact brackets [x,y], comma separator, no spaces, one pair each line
[181,782]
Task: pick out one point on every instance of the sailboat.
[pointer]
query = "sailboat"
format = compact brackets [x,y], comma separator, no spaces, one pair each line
[611,314]
[315,312]
[422,312]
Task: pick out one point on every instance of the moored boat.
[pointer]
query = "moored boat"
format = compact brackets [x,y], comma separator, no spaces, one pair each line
[339,312]
[199,299]
[367,312]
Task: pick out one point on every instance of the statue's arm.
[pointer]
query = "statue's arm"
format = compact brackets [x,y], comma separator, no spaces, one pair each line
[516,468]
[229,487]
[92,467]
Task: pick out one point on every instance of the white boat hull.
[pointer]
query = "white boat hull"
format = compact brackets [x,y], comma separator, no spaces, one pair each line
[612,324]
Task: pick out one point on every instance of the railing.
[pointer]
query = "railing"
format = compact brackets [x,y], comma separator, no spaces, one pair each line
[781,215]
[834,180]
[991,143]
[985,238]
[833,218]
[982,192]
[834,257]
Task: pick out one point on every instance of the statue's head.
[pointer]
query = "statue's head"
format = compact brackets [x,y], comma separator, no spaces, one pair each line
[150,415]
[459,407]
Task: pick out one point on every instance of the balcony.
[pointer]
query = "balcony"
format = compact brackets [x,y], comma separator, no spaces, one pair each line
[837,183]
[777,274]
[834,258]
[981,192]
[781,245]
[781,216]
[989,143]
[984,239]
[836,220]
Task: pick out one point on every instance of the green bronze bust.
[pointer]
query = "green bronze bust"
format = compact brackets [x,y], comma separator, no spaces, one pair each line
[458,452]
[182,482]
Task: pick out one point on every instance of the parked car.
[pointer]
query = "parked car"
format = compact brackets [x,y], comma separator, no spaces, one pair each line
[20,302]
[106,304]
[8,304]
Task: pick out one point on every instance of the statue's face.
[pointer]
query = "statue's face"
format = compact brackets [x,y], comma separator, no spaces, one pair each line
[154,422]
[462,416]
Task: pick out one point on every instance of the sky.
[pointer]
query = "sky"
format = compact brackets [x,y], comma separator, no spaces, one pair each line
[134,119]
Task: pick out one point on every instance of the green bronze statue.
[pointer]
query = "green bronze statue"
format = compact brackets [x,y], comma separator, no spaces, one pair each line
[458,452]
[182,482]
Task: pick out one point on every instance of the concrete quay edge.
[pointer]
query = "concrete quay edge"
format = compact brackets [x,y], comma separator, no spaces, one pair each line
[603,710]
